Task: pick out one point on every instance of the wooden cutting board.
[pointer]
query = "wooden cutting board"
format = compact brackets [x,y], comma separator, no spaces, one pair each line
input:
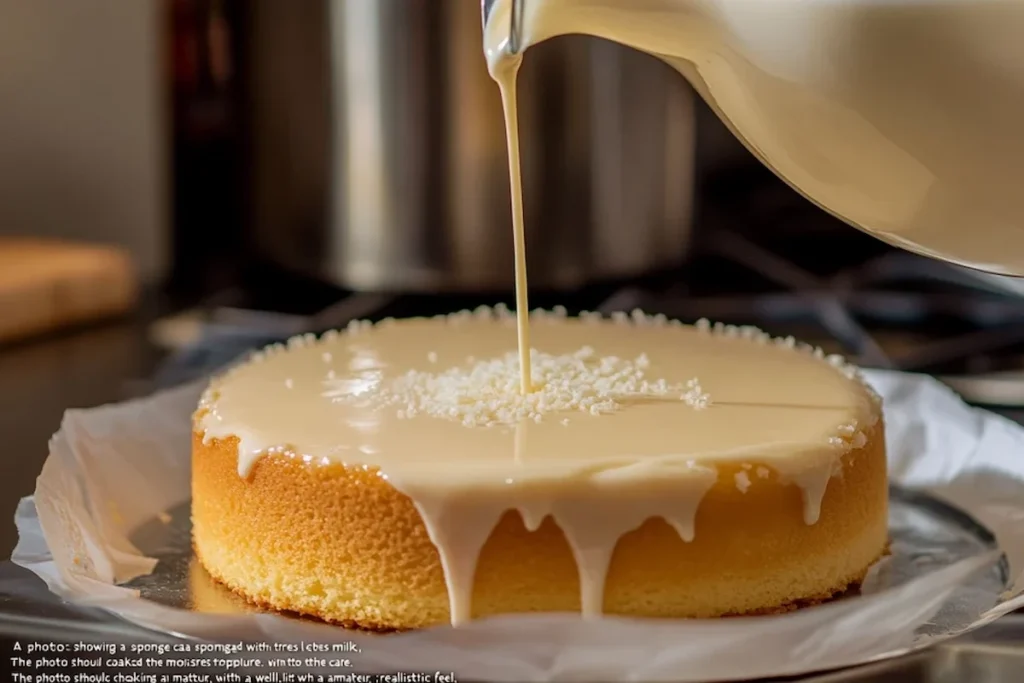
[46,285]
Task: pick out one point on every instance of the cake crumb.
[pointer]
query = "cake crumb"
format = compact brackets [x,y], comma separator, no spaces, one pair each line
[763,472]
[432,357]
[485,393]
[695,396]
[742,481]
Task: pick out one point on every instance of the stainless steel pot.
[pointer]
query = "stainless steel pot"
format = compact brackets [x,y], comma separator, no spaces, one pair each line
[378,156]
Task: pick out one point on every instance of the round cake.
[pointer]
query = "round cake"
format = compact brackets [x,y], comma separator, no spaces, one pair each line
[394,476]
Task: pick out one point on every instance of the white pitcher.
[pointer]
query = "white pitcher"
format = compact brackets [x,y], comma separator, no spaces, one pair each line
[905,118]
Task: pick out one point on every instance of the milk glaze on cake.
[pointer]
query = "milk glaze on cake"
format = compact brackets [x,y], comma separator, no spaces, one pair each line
[393,476]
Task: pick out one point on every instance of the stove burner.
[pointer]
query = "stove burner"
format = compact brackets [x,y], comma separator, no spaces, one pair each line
[968,319]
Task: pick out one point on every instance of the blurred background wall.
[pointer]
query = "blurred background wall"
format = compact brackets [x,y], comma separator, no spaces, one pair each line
[83,143]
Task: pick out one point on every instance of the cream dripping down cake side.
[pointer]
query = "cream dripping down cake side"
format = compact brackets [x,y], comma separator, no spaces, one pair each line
[393,476]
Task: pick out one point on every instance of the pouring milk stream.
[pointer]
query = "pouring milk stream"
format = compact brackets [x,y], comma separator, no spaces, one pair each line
[905,118]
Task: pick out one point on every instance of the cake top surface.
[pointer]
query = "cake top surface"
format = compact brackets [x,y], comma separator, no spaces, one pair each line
[438,400]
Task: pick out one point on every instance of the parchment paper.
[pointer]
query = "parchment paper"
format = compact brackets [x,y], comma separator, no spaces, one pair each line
[114,468]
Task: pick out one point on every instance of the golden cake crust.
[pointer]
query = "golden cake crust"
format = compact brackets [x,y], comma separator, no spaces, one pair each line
[341,544]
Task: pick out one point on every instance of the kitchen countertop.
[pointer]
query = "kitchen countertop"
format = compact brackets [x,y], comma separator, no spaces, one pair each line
[40,379]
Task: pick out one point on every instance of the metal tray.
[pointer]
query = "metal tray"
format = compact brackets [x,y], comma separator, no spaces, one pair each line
[927,534]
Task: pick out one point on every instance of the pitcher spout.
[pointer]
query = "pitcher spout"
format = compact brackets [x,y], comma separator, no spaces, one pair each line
[512,30]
